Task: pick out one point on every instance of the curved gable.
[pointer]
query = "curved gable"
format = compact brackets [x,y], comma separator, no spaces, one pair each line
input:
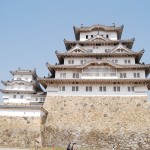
[99,63]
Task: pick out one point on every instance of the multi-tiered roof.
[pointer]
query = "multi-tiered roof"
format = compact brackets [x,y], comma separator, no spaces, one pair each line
[24,82]
[84,48]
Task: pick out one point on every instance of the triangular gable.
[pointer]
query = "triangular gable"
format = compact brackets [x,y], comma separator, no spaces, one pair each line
[120,49]
[98,37]
[77,49]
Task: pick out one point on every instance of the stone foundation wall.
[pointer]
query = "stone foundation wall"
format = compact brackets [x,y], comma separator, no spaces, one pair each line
[19,131]
[97,122]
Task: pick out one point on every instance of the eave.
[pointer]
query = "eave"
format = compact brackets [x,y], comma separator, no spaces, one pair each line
[49,81]
[137,66]
[18,82]
[137,55]
[17,91]
[127,43]
[77,30]
[24,72]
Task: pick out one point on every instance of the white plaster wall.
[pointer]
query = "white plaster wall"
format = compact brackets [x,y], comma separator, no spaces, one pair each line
[69,73]
[19,87]
[21,113]
[121,59]
[24,77]
[98,49]
[95,90]
[129,74]
[112,35]
[77,61]
[27,98]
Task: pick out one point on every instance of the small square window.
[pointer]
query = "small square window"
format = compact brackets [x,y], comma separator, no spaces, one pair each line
[89,88]
[125,61]
[21,96]
[62,88]
[14,96]
[116,61]
[86,36]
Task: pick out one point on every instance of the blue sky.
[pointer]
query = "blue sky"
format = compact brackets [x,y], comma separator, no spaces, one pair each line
[31,30]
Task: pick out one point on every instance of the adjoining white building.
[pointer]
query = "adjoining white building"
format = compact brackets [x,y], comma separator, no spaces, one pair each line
[23,96]
[98,63]
[22,111]
[24,89]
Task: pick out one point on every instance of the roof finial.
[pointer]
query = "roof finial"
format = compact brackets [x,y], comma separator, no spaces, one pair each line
[81,25]
[114,24]
[19,68]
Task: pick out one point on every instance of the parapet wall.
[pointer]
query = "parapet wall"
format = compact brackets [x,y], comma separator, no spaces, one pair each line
[19,131]
[97,122]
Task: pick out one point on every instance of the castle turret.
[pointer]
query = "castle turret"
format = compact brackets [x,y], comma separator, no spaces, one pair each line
[23,88]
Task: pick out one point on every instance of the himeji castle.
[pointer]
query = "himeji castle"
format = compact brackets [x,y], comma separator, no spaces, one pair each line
[23,89]
[98,63]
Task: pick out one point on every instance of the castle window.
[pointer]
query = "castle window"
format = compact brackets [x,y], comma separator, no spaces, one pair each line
[102,88]
[86,36]
[75,75]
[116,88]
[88,88]
[62,88]
[122,75]
[21,96]
[82,61]
[63,75]
[107,36]
[70,61]
[14,96]
[90,51]
[36,99]
[91,36]
[130,89]
[75,88]
[136,75]
[129,61]
[116,61]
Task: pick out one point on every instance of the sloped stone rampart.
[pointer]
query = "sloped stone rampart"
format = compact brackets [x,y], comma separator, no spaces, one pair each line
[19,131]
[97,122]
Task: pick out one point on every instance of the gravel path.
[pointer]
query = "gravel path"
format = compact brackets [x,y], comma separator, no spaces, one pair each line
[12,149]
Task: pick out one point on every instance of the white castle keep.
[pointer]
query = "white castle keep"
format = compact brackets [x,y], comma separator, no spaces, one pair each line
[23,95]
[98,63]
[23,89]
